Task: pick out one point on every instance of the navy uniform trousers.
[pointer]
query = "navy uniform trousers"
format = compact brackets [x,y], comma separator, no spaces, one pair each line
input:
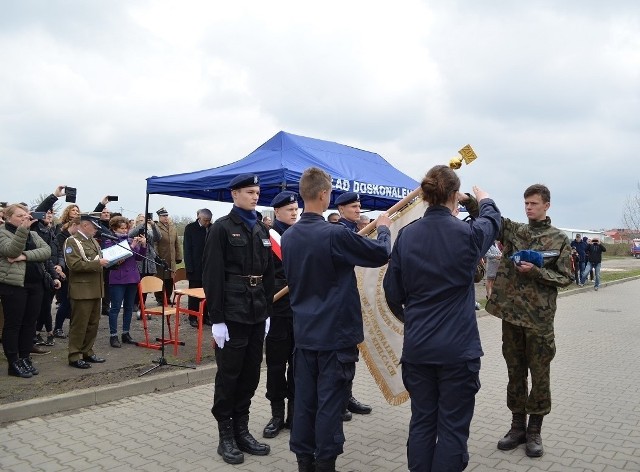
[442,403]
[321,379]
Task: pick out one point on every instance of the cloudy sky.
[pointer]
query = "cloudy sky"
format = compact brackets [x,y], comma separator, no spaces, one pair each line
[103,94]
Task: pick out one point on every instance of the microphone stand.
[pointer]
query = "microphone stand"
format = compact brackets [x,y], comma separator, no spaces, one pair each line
[162,360]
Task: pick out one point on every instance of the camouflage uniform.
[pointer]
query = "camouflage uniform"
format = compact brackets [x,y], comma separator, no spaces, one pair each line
[526,303]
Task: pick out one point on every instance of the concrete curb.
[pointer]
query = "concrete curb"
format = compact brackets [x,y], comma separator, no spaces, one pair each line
[98,395]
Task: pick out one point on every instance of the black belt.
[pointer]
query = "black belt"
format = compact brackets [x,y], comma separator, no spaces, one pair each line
[252,280]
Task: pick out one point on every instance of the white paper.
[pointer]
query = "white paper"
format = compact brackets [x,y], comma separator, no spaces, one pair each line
[117,252]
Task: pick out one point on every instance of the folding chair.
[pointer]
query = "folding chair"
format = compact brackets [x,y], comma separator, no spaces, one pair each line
[178,275]
[199,294]
[151,284]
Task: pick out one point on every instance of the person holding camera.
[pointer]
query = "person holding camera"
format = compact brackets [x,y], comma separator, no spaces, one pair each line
[146,266]
[594,260]
[123,280]
[22,253]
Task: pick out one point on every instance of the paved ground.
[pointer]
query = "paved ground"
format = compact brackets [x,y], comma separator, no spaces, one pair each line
[594,425]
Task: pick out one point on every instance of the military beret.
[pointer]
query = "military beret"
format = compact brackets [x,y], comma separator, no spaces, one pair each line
[162,212]
[284,198]
[347,197]
[244,180]
[90,218]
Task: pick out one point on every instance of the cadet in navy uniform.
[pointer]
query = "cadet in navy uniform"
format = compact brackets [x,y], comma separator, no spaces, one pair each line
[237,278]
[431,273]
[319,259]
[349,207]
[279,341]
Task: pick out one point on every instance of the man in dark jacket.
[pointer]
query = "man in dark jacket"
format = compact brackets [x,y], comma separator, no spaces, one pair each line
[279,341]
[238,281]
[594,260]
[319,260]
[193,247]
[580,245]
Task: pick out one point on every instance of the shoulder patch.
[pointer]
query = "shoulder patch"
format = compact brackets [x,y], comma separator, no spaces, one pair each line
[68,250]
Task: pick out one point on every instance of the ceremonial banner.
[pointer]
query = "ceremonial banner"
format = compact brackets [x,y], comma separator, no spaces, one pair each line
[383,332]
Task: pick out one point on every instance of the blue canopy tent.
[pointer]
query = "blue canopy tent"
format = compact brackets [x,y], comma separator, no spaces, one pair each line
[280,162]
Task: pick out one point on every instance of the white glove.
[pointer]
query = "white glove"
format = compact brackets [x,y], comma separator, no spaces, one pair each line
[220,334]
[267,325]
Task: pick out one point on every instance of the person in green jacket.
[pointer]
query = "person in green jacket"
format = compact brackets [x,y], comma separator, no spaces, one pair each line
[22,253]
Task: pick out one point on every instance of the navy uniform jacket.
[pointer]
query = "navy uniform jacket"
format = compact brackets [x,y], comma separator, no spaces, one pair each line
[431,273]
[353,226]
[233,249]
[282,307]
[319,258]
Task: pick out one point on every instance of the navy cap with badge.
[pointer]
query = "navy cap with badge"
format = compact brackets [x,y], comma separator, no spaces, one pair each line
[244,180]
[90,218]
[284,198]
[347,198]
[162,212]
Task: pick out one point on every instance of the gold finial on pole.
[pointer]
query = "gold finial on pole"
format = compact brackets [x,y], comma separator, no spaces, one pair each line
[466,154]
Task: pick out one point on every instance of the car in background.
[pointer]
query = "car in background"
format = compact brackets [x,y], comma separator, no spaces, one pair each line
[635,248]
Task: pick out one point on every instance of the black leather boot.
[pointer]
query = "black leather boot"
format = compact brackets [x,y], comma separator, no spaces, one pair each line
[227,446]
[277,421]
[18,369]
[354,406]
[517,434]
[244,440]
[534,440]
[326,465]
[306,463]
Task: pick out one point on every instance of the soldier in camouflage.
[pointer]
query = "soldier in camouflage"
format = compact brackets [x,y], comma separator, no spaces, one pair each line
[524,297]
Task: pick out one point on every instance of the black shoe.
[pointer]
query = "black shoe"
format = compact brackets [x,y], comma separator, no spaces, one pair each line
[38,340]
[126,339]
[39,350]
[193,323]
[29,366]
[18,369]
[113,340]
[58,333]
[346,416]
[354,406]
[80,364]
[94,359]
[273,427]
[50,340]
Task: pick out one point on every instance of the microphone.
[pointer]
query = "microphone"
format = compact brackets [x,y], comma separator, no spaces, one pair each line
[108,236]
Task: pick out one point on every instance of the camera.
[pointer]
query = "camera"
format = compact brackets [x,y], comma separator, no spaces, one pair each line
[4,204]
[149,216]
[38,215]
[70,194]
[112,198]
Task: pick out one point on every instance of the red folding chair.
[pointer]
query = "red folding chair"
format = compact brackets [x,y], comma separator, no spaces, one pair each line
[199,294]
[151,284]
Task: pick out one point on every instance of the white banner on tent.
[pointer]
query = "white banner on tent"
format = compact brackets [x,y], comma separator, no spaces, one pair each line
[383,333]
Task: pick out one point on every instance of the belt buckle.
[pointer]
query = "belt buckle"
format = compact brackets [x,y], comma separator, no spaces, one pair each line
[253,281]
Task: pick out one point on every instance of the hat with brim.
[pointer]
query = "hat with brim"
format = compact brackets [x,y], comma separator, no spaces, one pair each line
[162,212]
[91,219]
